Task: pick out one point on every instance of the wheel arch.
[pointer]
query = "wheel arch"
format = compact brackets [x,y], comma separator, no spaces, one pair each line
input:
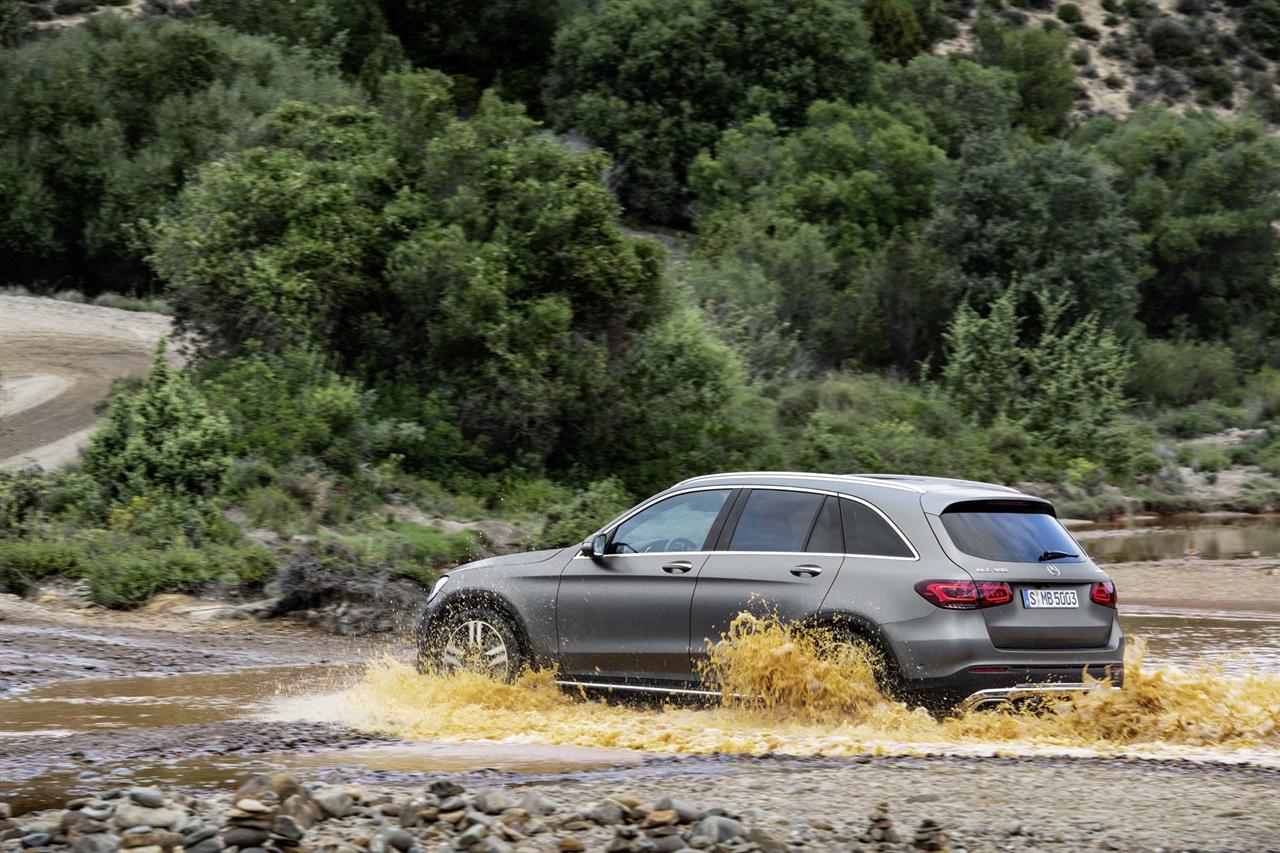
[464,598]
[859,625]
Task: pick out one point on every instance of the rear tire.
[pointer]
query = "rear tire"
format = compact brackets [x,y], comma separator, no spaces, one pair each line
[473,638]
[888,677]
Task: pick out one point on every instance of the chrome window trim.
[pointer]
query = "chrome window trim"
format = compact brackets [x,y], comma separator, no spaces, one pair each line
[623,519]
[639,508]
[915,555]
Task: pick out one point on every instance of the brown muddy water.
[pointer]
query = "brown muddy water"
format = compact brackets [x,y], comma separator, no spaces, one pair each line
[1185,536]
[1208,689]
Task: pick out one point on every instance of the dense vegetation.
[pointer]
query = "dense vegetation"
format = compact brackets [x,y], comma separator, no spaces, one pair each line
[406,293]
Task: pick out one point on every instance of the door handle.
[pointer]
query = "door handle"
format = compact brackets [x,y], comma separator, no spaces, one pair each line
[679,567]
[807,571]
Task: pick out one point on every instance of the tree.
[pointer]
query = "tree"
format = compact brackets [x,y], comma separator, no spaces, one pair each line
[101,123]
[983,372]
[161,442]
[475,264]
[958,97]
[807,206]
[1066,387]
[656,81]
[500,44]
[347,30]
[1038,59]
[896,35]
[1206,195]
[1043,217]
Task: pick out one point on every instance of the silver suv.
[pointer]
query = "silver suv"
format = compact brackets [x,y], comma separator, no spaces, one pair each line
[971,593]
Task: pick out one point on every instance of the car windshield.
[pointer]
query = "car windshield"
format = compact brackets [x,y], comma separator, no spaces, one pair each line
[1010,536]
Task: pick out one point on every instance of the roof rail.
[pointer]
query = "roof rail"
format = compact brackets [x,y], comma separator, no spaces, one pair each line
[857,478]
[940,481]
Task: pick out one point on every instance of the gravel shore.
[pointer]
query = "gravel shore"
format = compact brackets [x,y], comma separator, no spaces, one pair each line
[731,805]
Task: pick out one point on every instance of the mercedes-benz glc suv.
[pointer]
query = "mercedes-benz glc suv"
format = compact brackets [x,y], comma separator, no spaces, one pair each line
[969,593]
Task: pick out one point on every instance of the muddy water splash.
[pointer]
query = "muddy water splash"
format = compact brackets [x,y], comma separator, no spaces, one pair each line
[785,693]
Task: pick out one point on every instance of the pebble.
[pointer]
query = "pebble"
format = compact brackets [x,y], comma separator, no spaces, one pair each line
[335,802]
[98,842]
[147,797]
[37,839]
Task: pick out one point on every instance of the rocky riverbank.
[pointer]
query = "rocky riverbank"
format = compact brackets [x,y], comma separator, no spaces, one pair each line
[724,804]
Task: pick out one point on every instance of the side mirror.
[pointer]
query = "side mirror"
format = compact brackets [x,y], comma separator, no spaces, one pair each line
[594,547]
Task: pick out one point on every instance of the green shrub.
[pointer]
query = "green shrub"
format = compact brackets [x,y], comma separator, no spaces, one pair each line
[405,549]
[1262,395]
[1260,25]
[1210,458]
[588,510]
[1115,81]
[160,442]
[271,507]
[1080,56]
[1179,373]
[1086,32]
[1170,40]
[25,562]
[1189,422]
[1069,13]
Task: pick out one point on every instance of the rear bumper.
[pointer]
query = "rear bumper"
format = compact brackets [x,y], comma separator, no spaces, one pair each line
[966,689]
[996,696]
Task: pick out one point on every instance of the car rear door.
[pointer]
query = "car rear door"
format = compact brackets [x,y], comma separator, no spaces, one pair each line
[625,615]
[779,553]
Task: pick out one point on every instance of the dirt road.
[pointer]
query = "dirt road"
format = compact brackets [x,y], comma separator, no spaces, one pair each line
[57,363]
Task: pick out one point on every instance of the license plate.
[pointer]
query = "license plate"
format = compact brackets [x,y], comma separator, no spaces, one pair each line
[1050,598]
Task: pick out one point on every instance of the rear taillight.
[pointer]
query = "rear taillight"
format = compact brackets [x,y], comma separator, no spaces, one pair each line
[1103,593]
[965,595]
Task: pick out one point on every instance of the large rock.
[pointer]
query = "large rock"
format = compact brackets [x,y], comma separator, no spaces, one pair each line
[334,802]
[129,815]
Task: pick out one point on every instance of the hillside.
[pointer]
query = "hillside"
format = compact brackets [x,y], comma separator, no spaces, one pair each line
[1134,53]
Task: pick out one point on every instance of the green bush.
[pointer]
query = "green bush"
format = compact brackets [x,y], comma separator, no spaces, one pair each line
[1069,13]
[1260,26]
[1086,32]
[1210,458]
[1189,422]
[1170,40]
[160,443]
[1262,394]
[587,511]
[405,549]
[25,562]
[1179,373]
[271,507]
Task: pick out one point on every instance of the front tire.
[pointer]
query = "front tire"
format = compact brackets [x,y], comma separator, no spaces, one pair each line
[473,638]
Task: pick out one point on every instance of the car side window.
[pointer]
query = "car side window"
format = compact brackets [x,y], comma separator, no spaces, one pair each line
[828,534]
[679,523]
[775,521]
[868,534]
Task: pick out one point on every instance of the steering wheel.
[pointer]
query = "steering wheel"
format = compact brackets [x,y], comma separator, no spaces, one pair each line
[680,543]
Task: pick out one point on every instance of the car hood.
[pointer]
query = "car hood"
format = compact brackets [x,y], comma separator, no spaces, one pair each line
[521,559]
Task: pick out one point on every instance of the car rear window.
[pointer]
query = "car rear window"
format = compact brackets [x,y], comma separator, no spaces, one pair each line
[1010,533]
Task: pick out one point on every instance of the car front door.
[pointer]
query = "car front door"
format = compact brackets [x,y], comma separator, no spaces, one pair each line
[778,554]
[625,614]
